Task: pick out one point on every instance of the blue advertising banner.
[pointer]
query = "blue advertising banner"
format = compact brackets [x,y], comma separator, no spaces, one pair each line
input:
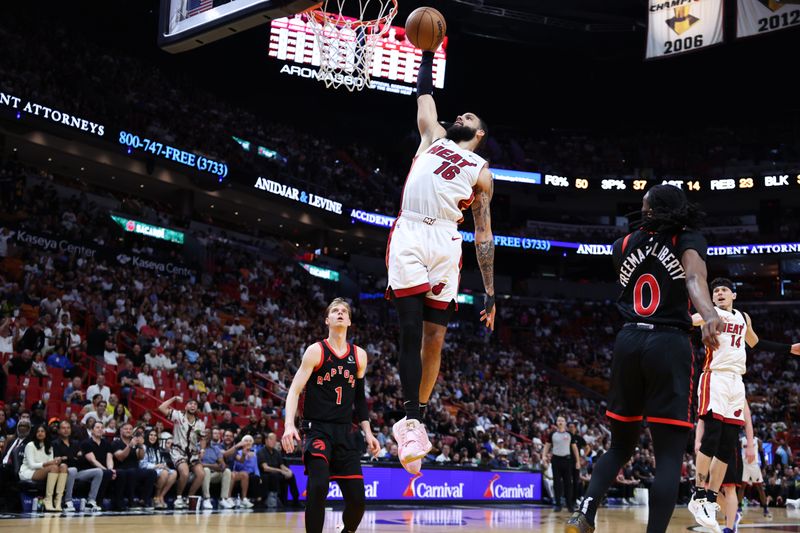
[395,484]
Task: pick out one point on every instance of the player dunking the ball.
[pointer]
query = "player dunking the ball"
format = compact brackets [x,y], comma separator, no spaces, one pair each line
[660,266]
[332,374]
[721,396]
[423,255]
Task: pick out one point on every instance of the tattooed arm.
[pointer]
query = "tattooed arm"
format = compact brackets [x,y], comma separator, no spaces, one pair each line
[484,240]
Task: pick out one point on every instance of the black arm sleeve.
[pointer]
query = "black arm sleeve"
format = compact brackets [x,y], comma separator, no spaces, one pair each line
[362,412]
[425,75]
[774,347]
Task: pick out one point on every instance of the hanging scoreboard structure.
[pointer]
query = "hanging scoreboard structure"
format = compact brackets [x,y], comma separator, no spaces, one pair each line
[187,24]
[755,17]
[395,61]
[677,26]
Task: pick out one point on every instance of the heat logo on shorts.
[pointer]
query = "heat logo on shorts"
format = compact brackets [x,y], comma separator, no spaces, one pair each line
[737,413]
[318,445]
[437,289]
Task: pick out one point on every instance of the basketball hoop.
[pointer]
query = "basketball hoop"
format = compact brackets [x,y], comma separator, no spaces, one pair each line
[346,43]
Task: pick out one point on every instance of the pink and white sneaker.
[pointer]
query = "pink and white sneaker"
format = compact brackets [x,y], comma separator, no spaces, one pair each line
[412,443]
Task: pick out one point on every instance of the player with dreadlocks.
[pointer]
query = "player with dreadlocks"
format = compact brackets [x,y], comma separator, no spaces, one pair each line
[661,264]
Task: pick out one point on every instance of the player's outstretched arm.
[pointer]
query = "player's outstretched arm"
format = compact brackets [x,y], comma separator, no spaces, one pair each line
[427,117]
[362,410]
[484,241]
[753,341]
[311,359]
[697,285]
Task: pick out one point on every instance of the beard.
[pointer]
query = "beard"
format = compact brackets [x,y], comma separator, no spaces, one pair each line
[458,133]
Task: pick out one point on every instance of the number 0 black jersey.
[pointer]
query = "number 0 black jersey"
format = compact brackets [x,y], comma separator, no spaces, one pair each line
[652,276]
[330,391]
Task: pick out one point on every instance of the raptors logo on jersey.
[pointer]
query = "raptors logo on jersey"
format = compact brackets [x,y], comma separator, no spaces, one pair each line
[731,355]
[440,182]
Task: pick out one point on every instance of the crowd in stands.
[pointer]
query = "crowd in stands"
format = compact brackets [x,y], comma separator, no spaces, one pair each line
[151,101]
[95,353]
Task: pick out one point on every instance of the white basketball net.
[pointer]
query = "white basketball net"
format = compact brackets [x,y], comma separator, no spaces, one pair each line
[346,44]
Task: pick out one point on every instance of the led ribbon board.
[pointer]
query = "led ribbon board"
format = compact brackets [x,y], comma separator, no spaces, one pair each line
[148,230]
[319,272]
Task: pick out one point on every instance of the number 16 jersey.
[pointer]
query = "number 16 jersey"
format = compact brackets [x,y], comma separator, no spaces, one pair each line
[441,180]
[652,276]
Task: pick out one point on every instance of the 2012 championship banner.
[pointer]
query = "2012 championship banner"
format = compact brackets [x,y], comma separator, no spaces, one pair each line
[677,26]
[755,17]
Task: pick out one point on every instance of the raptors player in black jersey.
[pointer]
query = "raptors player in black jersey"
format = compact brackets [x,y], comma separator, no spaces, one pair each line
[332,374]
[660,265]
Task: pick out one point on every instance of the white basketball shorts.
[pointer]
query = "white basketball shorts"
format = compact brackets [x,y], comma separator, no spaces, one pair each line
[751,473]
[722,393]
[423,256]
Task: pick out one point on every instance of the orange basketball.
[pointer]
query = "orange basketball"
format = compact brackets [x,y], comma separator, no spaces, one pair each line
[425,28]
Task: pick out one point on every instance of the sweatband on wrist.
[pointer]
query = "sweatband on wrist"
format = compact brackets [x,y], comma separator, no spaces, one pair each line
[425,74]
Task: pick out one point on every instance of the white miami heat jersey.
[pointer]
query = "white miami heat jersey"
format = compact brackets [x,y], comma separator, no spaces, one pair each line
[755,447]
[731,355]
[441,180]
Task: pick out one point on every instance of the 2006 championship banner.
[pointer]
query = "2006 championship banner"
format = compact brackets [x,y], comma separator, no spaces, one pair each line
[678,26]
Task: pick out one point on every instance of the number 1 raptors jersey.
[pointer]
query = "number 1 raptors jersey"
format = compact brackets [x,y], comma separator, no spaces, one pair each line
[331,389]
[731,355]
[440,182]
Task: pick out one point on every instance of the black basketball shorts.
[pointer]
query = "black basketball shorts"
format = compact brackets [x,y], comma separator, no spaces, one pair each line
[651,376]
[340,445]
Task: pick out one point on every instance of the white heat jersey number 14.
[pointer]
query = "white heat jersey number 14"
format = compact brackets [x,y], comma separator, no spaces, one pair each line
[731,355]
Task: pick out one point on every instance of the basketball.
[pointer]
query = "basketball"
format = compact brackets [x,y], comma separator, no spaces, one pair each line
[426,28]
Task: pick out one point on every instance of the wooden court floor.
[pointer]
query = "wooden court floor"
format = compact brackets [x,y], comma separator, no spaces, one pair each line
[425,520]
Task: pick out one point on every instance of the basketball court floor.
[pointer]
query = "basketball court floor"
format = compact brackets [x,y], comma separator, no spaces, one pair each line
[390,519]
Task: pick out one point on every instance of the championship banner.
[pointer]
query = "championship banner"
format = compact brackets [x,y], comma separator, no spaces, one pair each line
[678,26]
[762,16]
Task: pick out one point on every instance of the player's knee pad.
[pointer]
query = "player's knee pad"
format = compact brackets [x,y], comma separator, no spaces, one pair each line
[410,311]
[353,494]
[317,488]
[439,316]
[624,437]
[410,314]
[727,442]
[712,435]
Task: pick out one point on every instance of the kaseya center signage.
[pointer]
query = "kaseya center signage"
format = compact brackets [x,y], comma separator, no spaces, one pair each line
[395,484]
[297,195]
